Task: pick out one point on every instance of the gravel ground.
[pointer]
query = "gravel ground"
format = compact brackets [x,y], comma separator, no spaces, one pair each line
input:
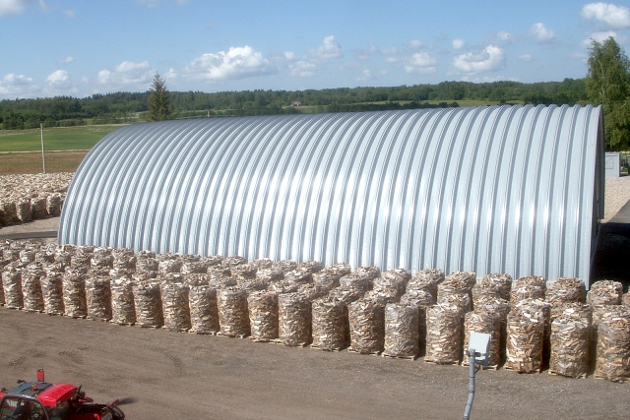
[617,192]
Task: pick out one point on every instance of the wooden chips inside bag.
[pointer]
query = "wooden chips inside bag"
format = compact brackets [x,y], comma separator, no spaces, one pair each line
[148,304]
[485,322]
[605,292]
[204,312]
[123,306]
[329,324]
[294,319]
[74,298]
[233,312]
[565,290]
[263,315]
[402,337]
[570,337]
[613,344]
[367,330]
[32,288]
[99,298]
[175,306]
[444,334]
[526,326]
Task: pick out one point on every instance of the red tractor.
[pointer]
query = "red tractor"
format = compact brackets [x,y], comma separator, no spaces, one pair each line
[41,400]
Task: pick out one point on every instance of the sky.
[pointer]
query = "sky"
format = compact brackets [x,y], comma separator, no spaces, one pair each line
[83,47]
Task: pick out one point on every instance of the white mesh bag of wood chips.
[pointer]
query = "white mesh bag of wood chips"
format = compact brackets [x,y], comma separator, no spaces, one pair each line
[52,293]
[204,313]
[263,315]
[233,313]
[148,303]
[427,279]
[283,287]
[202,299]
[525,338]
[482,321]
[354,281]
[169,263]
[338,270]
[146,265]
[102,258]
[251,284]
[53,204]
[269,275]
[401,330]
[389,283]
[367,326]
[221,281]
[325,279]
[461,300]
[347,294]
[32,288]
[422,299]
[175,305]
[310,266]
[578,310]
[605,292]
[501,308]
[459,282]
[27,256]
[298,277]
[294,319]
[531,287]
[502,282]
[74,298]
[330,324]
[313,291]
[124,259]
[613,344]
[383,296]
[244,271]
[23,210]
[369,271]
[99,298]
[565,290]
[569,347]
[263,263]
[123,306]
[287,265]
[38,207]
[444,334]
[194,266]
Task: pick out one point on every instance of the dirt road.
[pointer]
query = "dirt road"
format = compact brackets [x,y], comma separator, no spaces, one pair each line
[169,375]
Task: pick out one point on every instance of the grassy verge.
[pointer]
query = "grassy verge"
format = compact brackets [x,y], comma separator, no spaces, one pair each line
[31,163]
[63,138]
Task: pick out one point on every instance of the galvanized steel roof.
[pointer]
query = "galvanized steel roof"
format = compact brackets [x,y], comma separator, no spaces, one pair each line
[514,189]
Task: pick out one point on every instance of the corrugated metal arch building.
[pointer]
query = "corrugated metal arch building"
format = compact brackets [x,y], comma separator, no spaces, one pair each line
[516,189]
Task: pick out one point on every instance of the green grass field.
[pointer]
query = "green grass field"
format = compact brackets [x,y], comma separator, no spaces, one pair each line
[62,138]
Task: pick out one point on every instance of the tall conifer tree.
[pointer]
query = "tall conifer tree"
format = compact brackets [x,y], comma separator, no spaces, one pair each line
[159,104]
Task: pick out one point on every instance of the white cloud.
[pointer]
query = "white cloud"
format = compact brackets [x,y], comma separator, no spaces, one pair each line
[459,43]
[599,37]
[421,62]
[59,82]
[365,75]
[69,59]
[13,7]
[505,36]
[491,58]
[236,63]
[415,45]
[18,86]
[614,16]
[327,51]
[525,57]
[542,33]
[69,13]
[127,73]
[365,54]
[303,69]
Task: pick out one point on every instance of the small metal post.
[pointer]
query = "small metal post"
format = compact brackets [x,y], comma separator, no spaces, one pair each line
[41,129]
[471,383]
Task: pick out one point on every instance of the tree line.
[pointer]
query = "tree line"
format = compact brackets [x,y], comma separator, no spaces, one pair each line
[123,107]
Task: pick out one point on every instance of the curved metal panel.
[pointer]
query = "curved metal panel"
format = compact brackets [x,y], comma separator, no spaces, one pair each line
[513,189]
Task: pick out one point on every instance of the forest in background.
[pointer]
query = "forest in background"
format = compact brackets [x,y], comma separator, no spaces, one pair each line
[127,107]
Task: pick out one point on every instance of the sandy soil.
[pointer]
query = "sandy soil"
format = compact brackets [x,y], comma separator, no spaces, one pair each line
[169,375]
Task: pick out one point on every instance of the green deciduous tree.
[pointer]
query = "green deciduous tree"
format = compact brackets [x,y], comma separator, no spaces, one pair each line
[159,104]
[608,84]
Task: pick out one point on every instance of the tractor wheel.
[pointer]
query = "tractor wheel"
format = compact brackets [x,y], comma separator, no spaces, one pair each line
[117,414]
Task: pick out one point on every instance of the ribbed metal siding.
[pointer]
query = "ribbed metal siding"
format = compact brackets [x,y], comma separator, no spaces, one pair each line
[513,189]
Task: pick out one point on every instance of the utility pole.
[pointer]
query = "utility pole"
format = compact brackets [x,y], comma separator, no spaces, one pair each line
[41,129]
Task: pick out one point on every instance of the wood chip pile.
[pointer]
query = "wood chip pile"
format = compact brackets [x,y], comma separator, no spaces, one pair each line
[532,324]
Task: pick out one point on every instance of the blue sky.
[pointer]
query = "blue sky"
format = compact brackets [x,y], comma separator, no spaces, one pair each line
[82,47]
